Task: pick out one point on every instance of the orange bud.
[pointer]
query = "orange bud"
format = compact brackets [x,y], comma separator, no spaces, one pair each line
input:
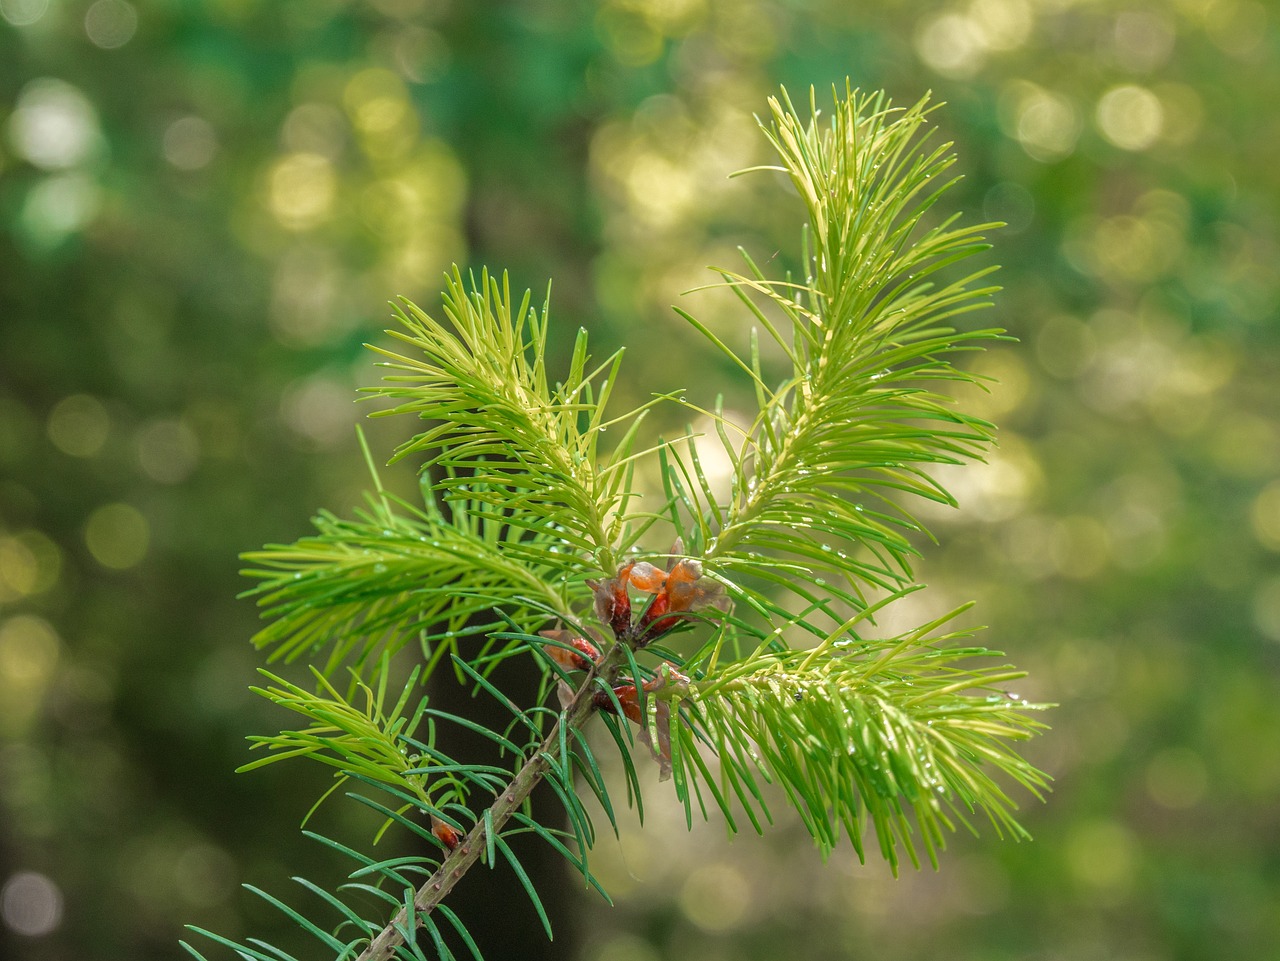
[628,699]
[673,686]
[648,578]
[587,653]
[652,623]
[445,833]
[686,570]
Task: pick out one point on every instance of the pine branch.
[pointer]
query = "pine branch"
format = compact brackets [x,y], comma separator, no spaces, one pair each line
[896,731]
[363,742]
[819,473]
[511,799]
[905,735]
[499,423]
[390,576]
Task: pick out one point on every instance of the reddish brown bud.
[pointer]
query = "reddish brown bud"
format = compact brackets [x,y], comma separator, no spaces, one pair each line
[676,593]
[627,698]
[681,589]
[673,686]
[590,653]
[446,834]
[587,653]
[653,623]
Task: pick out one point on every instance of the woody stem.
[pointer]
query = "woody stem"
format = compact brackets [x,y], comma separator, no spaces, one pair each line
[509,800]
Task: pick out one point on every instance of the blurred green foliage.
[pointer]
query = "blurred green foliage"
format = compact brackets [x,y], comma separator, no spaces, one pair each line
[202,207]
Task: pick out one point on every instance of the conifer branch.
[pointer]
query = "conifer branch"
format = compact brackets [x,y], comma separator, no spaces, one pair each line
[501,431]
[509,801]
[819,473]
[524,523]
[389,576]
[856,730]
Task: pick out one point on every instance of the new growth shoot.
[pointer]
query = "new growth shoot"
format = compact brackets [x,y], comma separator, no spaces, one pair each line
[743,655]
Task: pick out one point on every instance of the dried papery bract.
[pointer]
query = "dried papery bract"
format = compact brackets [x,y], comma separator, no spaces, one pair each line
[667,687]
[613,602]
[740,656]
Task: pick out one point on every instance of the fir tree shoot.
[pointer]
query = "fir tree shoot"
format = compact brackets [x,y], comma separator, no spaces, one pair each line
[731,632]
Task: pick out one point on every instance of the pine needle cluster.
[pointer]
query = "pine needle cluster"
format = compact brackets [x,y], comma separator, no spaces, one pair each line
[745,654]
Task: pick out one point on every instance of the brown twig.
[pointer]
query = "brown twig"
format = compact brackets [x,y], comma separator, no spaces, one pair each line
[509,800]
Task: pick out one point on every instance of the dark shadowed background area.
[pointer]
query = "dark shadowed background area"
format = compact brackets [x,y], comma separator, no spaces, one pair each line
[204,208]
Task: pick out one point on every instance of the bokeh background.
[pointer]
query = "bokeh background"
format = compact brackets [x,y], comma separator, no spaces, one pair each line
[204,208]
